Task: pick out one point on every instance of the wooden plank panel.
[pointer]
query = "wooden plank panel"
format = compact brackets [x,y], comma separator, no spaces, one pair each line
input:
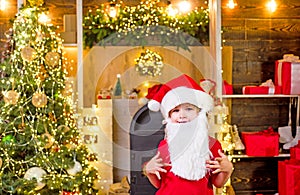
[260,176]
[272,28]
[261,28]
[257,9]
[258,114]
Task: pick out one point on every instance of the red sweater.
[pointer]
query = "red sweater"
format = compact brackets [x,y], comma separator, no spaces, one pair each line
[175,185]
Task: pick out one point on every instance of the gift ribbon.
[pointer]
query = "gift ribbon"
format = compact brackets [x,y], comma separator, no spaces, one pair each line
[295,79]
[279,73]
[271,90]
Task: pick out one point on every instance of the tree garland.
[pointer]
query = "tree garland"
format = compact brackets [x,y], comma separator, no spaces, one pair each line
[134,25]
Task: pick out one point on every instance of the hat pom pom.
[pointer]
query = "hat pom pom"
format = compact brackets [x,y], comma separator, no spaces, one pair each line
[154,105]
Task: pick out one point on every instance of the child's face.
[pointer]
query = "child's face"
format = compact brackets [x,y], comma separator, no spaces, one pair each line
[184,113]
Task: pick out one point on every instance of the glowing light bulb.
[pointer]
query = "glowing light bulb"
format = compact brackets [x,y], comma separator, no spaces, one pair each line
[272,5]
[172,11]
[184,6]
[112,12]
[43,18]
[2,5]
[231,4]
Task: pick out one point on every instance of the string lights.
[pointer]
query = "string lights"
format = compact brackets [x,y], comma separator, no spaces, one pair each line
[139,20]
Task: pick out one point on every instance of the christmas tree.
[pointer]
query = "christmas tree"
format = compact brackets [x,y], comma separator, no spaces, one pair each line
[118,88]
[41,151]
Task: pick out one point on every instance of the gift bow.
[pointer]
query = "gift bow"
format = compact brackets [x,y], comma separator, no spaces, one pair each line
[268,83]
[269,132]
[292,162]
[290,58]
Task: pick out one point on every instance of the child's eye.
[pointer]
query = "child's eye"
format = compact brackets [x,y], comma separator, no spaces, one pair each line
[175,110]
[189,108]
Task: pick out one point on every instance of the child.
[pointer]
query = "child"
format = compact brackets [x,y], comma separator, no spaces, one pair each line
[188,161]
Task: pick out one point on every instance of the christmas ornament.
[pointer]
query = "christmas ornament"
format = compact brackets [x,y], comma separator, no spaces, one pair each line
[22,125]
[69,193]
[52,117]
[71,146]
[52,59]
[1,162]
[63,128]
[28,53]
[8,139]
[39,36]
[37,173]
[142,101]
[149,63]
[68,90]
[42,75]
[208,85]
[118,87]
[77,168]
[49,139]
[238,144]
[55,148]
[39,99]
[11,97]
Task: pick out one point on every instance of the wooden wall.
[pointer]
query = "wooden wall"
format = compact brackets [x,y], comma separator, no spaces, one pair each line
[257,37]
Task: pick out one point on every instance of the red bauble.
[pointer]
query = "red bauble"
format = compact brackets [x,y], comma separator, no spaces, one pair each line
[99,97]
[69,193]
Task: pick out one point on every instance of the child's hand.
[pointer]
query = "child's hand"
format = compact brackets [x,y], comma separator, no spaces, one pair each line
[220,164]
[154,166]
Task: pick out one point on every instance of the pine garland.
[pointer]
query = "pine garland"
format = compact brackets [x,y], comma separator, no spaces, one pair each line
[135,25]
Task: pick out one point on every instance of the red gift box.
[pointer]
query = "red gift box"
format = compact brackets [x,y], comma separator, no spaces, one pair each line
[295,151]
[289,177]
[261,90]
[287,76]
[227,88]
[262,143]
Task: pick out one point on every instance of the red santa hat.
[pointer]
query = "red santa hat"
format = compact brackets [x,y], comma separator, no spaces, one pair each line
[182,89]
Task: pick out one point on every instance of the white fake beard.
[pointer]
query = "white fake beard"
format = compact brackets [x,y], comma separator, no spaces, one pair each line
[189,147]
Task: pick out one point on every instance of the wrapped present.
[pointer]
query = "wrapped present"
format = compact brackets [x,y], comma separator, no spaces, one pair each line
[295,152]
[287,76]
[262,143]
[267,87]
[261,90]
[289,177]
[227,88]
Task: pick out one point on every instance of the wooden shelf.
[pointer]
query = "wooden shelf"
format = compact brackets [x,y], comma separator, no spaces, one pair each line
[246,156]
[258,96]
